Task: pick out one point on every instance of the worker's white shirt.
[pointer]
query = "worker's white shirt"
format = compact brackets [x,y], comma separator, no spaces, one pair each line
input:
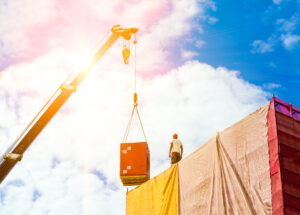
[176,145]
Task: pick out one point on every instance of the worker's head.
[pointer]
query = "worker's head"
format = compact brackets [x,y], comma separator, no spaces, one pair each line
[175,136]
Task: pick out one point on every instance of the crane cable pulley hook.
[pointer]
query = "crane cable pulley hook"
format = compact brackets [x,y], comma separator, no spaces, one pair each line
[126,48]
[135,96]
[126,51]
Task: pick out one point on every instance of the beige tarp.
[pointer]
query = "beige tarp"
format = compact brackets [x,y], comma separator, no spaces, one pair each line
[230,173]
[158,196]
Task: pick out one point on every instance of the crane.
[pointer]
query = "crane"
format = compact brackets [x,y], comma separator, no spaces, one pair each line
[61,95]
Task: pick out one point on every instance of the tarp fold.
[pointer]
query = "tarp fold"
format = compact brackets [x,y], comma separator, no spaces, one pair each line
[230,173]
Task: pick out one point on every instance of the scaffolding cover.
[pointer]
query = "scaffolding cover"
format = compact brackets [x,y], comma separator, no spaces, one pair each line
[230,173]
[159,196]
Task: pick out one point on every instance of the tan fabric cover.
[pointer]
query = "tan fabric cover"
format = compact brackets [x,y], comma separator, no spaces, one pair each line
[230,173]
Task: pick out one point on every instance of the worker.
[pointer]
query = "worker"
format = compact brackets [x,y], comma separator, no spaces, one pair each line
[176,149]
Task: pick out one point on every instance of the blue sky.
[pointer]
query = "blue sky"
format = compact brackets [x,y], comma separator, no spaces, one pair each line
[270,64]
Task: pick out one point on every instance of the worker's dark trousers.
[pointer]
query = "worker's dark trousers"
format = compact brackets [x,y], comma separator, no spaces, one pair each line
[175,157]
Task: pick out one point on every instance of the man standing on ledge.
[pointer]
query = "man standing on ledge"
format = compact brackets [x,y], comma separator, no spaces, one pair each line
[176,149]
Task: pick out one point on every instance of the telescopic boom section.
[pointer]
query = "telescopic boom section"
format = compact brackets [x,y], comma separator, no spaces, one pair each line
[15,153]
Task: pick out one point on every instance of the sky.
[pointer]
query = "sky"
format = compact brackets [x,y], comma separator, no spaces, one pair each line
[201,66]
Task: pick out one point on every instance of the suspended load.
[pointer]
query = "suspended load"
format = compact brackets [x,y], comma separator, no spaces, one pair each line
[134,163]
[134,156]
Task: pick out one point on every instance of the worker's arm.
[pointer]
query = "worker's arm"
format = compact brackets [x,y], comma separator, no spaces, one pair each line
[181,151]
[171,145]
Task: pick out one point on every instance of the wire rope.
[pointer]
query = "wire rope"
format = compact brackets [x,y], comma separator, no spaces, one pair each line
[135,105]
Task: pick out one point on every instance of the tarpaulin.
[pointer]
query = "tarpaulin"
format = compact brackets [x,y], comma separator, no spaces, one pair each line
[158,196]
[230,173]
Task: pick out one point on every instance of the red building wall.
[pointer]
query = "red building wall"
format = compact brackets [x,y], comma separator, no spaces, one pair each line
[284,148]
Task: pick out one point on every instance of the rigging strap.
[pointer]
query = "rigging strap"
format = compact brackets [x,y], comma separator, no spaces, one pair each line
[135,108]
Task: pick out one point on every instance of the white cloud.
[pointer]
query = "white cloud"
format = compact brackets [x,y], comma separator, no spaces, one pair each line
[200,43]
[287,25]
[17,18]
[188,54]
[283,35]
[259,46]
[199,28]
[271,86]
[209,4]
[212,20]
[290,40]
[277,1]
[179,19]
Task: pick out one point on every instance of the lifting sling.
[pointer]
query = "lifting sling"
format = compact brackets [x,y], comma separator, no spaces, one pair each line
[135,109]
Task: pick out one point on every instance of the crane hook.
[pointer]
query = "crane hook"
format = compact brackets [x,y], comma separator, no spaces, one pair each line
[126,55]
